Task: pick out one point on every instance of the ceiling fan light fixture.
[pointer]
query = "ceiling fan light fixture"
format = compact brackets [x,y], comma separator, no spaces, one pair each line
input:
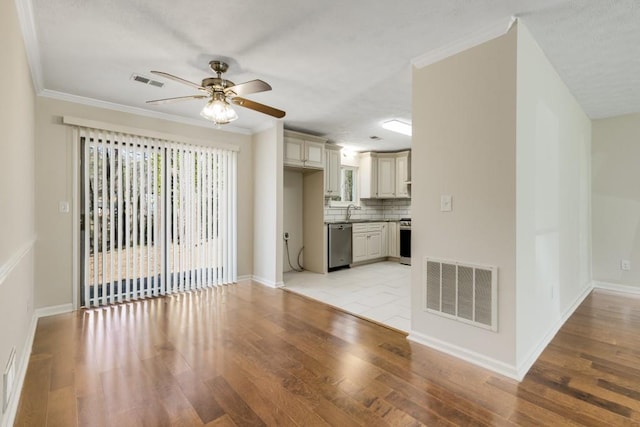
[218,110]
[398,126]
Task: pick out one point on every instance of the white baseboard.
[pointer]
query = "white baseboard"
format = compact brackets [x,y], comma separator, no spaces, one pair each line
[478,359]
[627,289]
[528,362]
[53,310]
[245,278]
[267,282]
[512,371]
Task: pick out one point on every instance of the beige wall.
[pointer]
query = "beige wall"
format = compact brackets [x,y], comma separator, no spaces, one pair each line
[616,200]
[292,217]
[553,199]
[16,197]
[268,205]
[54,178]
[464,117]
[315,249]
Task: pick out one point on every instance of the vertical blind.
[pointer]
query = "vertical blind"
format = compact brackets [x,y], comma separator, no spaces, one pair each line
[158,217]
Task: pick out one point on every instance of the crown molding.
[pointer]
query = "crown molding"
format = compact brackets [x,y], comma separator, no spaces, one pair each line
[473,39]
[92,102]
[24,9]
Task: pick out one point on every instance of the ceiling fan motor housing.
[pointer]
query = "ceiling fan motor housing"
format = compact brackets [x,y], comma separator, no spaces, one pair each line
[216,83]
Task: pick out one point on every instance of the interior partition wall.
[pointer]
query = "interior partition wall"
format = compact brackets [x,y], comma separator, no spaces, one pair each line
[157,217]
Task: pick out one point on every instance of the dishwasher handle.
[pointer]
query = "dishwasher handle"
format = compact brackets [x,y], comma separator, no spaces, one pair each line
[340,226]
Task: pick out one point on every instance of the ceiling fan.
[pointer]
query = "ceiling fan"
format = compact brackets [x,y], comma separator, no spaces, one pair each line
[221,93]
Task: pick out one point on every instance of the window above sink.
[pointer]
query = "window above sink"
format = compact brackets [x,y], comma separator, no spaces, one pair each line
[348,188]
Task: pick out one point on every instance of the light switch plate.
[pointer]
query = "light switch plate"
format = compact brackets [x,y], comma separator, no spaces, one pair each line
[625,265]
[446,203]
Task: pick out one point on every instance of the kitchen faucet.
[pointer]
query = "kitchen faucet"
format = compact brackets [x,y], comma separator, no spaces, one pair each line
[351,205]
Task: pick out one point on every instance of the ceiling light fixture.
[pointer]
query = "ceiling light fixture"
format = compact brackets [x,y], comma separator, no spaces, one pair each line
[398,126]
[218,110]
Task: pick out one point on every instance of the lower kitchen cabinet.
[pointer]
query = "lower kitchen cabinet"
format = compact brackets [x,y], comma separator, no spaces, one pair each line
[359,245]
[367,241]
[393,239]
[384,240]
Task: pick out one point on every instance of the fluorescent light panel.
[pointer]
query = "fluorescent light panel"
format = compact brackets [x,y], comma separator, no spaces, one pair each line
[398,126]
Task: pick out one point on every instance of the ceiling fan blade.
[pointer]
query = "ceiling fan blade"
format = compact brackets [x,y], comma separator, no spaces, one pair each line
[246,88]
[178,98]
[178,79]
[261,108]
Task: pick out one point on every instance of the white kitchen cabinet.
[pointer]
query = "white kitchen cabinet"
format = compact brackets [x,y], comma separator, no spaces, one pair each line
[386,177]
[368,176]
[359,247]
[393,239]
[403,174]
[294,152]
[314,154]
[304,151]
[332,171]
[374,243]
[384,240]
[367,241]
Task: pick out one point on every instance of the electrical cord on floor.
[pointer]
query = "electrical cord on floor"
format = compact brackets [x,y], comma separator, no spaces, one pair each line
[298,260]
[300,268]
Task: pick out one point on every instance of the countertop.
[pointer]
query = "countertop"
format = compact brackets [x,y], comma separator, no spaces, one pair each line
[357,221]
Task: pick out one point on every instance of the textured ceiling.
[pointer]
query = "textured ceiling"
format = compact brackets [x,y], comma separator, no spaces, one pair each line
[338,68]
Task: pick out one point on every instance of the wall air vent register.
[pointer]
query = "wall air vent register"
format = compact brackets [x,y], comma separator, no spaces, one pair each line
[464,292]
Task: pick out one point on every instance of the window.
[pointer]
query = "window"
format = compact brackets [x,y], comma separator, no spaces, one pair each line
[348,187]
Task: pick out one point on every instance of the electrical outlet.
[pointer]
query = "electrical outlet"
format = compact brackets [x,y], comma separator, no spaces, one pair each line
[625,265]
[286,235]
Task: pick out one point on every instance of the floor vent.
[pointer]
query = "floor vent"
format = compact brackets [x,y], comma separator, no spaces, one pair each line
[8,378]
[146,80]
[460,291]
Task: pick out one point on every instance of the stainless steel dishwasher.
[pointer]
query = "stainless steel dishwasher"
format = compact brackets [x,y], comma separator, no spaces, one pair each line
[339,246]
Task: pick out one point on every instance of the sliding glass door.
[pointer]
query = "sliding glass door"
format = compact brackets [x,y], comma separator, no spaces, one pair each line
[157,217]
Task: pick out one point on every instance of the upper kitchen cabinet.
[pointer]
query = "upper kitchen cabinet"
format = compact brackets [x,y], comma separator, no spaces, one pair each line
[403,174]
[304,151]
[385,175]
[332,170]
[368,175]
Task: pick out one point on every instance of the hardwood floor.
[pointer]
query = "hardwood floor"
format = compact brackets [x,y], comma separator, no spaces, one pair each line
[248,355]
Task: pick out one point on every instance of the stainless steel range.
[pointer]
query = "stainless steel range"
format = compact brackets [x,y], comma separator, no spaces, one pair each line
[405,241]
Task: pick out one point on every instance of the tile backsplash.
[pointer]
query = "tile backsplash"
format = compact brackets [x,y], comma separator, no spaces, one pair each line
[371,209]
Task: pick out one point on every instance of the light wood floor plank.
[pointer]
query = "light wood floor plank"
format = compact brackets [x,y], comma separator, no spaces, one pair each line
[247,355]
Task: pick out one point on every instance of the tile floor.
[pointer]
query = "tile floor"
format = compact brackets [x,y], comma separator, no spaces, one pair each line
[379,291]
